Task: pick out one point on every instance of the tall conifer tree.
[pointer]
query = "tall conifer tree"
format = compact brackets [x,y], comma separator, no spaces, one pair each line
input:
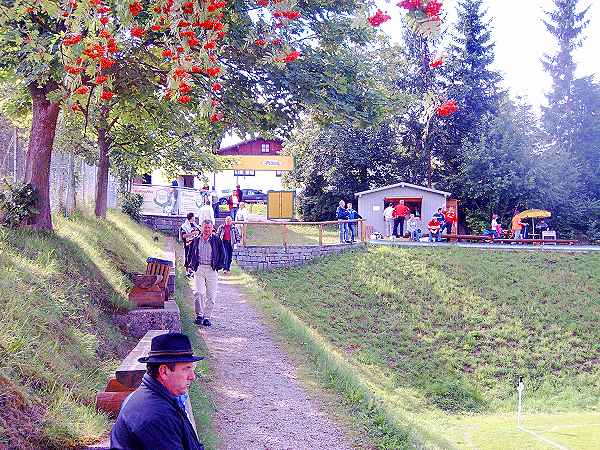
[566,25]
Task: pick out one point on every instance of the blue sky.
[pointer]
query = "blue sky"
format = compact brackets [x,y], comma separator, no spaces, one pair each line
[521,40]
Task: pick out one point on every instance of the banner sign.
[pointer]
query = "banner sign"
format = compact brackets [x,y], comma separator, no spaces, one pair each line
[168,200]
[271,162]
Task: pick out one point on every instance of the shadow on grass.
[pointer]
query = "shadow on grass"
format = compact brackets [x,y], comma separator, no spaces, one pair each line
[57,341]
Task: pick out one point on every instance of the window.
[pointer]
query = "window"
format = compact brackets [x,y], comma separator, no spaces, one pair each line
[279,173]
[188,181]
[265,148]
[244,173]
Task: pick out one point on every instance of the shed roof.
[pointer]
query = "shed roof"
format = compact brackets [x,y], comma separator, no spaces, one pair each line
[414,186]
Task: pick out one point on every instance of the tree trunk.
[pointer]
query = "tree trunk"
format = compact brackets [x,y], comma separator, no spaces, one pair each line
[103,164]
[39,151]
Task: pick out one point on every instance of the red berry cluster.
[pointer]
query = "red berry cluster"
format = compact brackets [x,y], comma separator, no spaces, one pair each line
[379,18]
[447,109]
[88,53]
[429,8]
[282,12]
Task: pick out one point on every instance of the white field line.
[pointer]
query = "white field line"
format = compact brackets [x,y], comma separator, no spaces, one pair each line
[543,439]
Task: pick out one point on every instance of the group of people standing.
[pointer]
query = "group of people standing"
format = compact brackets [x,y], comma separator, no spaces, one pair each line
[206,252]
[397,217]
[345,212]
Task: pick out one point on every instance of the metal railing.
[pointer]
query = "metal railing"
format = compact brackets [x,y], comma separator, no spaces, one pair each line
[299,233]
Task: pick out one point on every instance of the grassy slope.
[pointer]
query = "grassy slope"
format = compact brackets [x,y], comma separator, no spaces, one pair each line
[442,334]
[57,343]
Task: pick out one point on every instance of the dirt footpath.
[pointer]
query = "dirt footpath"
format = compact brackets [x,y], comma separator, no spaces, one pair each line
[259,402]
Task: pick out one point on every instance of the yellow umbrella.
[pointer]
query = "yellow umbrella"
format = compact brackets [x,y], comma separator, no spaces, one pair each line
[534,214]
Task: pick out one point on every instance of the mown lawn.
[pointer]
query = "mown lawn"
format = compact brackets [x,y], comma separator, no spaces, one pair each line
[57,341]
[443,334]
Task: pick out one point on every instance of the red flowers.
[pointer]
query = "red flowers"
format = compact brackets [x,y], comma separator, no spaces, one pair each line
[447,109]
[263,3]
[74,39]
[184,99]
[210,45]
[379,18]
[101,79]
[196,69]
[107,95]
[104,20]
[261,42]
[138,32]
[135,8]
[216,117]
[217,87]
[155,27]
[436,63]
[166,53]
[183,23]
[184,88]
[431,8]
[105,33]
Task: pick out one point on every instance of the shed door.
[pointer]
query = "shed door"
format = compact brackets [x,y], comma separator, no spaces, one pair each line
[413,203]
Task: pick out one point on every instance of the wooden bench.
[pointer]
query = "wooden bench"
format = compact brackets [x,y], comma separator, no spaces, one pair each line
[127,377]
[150,289]
[491,239]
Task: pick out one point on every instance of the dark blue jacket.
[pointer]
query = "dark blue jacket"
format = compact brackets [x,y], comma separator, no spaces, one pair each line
[152,418]
[353,214]
[341,213]
[217,253]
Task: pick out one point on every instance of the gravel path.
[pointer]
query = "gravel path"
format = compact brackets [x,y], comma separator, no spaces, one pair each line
[259,402]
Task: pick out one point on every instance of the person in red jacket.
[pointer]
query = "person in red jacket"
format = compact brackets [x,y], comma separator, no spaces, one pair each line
[401,211]
[434,226]
[450,216]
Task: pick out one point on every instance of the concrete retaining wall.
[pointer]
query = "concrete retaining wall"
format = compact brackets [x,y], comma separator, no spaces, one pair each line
[270,257]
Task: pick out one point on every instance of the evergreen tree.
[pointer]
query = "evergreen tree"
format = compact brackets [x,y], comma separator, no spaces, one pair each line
[474,84]
[566,25]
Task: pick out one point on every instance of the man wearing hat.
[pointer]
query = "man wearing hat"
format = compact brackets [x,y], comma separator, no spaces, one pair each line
[154,415]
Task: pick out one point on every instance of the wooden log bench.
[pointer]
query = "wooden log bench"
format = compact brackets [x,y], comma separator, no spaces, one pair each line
[127,377]
[150,289]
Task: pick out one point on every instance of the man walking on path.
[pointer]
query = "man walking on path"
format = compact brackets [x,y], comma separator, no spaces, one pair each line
[206,260]
[400,212]
[154,416]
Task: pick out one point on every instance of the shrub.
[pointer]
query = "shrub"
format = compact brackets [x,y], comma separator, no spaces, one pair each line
[454,395]
[132,205]
[17,204]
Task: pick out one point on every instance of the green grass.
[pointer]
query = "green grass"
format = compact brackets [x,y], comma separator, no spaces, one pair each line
[57,341]
[436,338]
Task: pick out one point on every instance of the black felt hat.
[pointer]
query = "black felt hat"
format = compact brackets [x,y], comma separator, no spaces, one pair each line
[170,348]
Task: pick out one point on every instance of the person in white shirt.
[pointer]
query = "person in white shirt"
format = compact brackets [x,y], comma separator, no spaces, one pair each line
[389,220]
[242,214]
[206,213]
